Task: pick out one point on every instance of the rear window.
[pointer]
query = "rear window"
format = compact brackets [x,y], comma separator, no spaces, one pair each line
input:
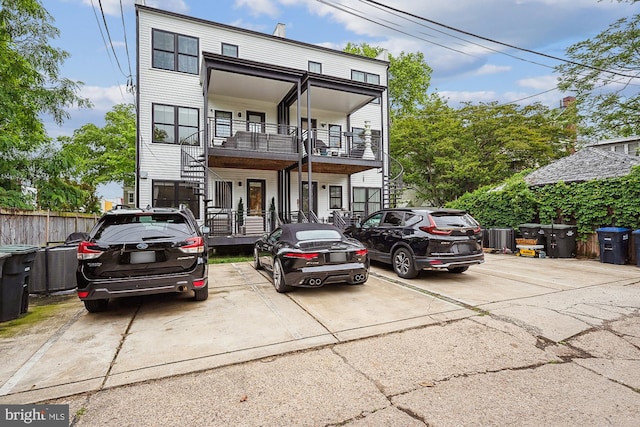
[136,228]
[318,235]
[448,220]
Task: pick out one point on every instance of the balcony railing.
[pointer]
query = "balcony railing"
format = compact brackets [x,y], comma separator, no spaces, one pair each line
[273,138]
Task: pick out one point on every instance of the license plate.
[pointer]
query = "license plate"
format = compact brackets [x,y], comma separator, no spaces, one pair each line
[142,257]
[338,257]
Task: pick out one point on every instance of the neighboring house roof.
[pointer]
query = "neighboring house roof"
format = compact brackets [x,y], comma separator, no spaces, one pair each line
[585,165]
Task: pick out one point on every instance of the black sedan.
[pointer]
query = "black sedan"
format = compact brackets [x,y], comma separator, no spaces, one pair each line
[311,255]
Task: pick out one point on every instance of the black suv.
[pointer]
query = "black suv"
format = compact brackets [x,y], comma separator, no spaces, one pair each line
[141,252]
[416,238]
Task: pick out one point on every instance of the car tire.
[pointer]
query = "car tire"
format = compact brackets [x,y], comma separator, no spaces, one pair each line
[278,278]
[457,270]
[96,305]
[256,259]
[403,264]
[201,294]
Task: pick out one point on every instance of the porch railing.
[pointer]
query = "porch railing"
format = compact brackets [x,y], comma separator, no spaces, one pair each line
[269,137]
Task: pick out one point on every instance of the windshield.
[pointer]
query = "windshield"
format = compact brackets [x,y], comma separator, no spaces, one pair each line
[318,235]
[137,228]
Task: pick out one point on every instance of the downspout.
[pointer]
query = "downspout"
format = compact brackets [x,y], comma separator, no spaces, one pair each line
[349,185]
[386,160]
[137,184]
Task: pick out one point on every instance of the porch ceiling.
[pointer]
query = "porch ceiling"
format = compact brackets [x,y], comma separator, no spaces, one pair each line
[243,86]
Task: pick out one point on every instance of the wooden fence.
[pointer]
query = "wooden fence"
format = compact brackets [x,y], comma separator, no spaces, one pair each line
[38,228]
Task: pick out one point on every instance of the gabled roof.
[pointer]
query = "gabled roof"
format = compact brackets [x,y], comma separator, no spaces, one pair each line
[585,165]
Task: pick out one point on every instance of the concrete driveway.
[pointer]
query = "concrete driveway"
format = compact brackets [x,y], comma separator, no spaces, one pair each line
[391,351]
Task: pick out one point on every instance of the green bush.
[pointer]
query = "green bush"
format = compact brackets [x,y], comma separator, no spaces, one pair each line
[588,205]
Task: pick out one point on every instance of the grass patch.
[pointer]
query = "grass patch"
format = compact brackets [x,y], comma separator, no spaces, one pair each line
[223,259]
[38,312]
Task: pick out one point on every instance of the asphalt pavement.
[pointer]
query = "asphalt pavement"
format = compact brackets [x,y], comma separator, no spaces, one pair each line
[514,341]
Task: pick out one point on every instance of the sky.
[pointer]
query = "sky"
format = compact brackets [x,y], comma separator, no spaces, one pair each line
[465,68]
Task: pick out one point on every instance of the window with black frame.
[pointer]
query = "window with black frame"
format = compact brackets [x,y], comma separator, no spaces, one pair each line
[172,194]
[335,197]
[174,52]
[223,124]
[173,124]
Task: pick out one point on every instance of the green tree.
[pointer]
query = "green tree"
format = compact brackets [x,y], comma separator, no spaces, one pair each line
[409,78]
[31,86]
[105,154]
[448,152]
[603,74]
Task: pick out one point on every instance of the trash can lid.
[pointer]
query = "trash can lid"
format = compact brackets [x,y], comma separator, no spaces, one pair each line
[636,232]
[18,249]
[4,255]
[558,226]
[613,230]
[530,225]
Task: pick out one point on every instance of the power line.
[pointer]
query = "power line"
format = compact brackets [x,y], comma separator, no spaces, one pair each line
[499,42]
[106,27]
[105,44]
[130,86]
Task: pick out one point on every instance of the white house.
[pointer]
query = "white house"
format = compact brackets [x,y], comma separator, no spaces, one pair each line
[298,132]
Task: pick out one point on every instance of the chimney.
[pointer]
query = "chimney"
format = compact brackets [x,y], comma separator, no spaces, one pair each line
[567,100]
[280,31]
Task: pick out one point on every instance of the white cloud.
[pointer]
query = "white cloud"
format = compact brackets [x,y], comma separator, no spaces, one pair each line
[104,98]
[539,82]
[492,69]
[259,7]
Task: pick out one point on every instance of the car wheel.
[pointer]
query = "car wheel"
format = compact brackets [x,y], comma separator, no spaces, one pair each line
[457,270]
[256,260]
[201,294]
[403,264]
[96,305]
[278,278]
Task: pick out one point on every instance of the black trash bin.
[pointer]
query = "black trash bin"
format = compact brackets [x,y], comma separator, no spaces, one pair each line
[614,244]
[560,240]
[636,244]
[54,269]
[15,279]
[532,231]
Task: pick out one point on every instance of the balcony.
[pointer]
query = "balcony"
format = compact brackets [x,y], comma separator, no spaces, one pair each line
[266,146]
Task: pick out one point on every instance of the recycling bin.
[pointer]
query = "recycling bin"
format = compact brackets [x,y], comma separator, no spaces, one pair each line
[614,244]
[15,278]
[560,240]
[502,239]
[54,269]
[636,244]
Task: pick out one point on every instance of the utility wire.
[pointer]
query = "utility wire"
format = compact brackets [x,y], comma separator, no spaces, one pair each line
[130,86]
[499,42]
[105,44]
[106,27]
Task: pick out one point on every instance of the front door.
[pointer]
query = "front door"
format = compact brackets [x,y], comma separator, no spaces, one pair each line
[256,122]
[256,197]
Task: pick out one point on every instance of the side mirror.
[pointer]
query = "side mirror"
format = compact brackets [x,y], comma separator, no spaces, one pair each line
[205,230]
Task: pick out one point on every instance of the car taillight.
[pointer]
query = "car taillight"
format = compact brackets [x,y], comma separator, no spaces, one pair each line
[198,283]
[432,229]
[83,294]
[195,245]
[361,252]
[301,255]
[87,250]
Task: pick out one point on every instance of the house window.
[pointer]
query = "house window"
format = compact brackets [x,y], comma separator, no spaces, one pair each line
[366,201]
[361,76]
[335,136]
[171,194]
[230,50]
[175,52]
[130,198]
[223,123]
[173,124]
[223,194]
[315,67]
[335,197]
